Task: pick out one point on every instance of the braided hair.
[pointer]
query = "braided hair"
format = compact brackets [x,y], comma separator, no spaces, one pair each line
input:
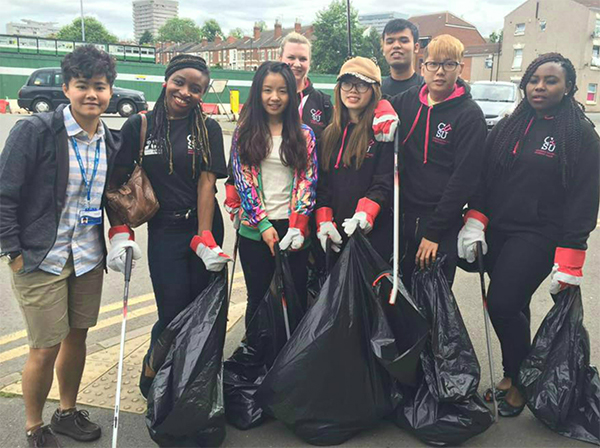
[567,122]
[161,129]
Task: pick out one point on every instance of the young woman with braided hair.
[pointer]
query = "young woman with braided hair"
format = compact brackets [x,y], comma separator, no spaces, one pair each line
[183,157]
[536,206]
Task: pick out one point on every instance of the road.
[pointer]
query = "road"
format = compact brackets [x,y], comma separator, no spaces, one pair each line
[524,431]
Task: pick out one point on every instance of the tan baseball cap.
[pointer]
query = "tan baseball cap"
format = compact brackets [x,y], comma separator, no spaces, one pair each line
[362,68]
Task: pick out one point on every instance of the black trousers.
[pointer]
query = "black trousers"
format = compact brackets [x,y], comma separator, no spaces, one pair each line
[259,266]
[516,268]
[412,227]
[178,275]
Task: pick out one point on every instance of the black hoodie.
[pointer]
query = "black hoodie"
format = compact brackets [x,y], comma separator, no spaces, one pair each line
[529,199]
[315,107]
[441,155]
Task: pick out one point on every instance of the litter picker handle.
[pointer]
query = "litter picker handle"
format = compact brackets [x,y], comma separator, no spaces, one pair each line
[128,263]
[328,251]
[396,211]
[480,263]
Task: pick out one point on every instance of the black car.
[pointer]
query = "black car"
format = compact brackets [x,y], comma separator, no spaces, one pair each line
[43,92]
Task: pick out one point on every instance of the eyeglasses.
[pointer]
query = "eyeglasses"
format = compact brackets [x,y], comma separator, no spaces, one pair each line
[361,87]
[449,66]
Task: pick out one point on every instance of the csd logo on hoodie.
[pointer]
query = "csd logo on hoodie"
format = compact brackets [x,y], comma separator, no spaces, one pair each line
[441,136]
[548,148]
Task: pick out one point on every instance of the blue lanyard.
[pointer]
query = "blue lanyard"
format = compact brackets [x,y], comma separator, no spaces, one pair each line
[88,184]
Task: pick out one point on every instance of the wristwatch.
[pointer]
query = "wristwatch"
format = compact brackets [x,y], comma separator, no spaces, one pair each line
[10,256]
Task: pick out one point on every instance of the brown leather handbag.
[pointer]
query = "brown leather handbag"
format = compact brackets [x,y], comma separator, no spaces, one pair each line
[135,201]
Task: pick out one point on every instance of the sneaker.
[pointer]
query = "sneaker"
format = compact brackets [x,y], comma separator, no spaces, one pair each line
[42,437]
[75,424]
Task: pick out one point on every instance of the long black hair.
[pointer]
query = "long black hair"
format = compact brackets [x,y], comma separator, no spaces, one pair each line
[254,136]
[567,122]
[161,128]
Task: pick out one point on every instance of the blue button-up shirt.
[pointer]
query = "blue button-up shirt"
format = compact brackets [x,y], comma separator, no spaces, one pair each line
[83,241]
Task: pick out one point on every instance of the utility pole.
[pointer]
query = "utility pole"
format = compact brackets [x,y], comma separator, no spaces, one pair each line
[82,23]
[349,29]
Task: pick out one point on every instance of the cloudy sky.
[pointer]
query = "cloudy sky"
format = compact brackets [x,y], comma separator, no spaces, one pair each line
[487,15]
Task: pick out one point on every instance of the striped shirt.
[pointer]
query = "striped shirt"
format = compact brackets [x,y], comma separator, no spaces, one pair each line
[83,241]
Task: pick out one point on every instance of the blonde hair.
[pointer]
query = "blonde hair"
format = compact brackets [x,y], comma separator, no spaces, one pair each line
[294,38]
[356,149]
[445,47]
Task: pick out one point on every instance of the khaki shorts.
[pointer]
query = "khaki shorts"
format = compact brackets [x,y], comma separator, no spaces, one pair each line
[53,304]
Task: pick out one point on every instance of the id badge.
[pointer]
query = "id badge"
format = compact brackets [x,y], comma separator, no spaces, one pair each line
[90,217]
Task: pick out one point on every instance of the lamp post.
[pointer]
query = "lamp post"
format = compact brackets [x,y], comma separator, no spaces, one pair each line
[82,23]
[489,63]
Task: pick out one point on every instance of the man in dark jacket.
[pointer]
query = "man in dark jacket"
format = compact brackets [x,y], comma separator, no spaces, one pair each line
[53,172]
[442,133]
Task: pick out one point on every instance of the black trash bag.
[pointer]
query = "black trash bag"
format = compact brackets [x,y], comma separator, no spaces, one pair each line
[185,402]
[444,409]
[450,362]
[441,423]
[562,389]
[329,381]
[318,269]
[266,334]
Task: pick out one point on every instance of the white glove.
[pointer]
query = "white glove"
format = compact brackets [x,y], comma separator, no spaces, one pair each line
[121,237]
[232,205]
[567,270]
[293,238]
[358,220]
[327,230]
[471,232]
[209,252]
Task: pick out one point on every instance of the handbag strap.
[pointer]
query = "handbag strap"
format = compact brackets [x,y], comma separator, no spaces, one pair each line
[143,132]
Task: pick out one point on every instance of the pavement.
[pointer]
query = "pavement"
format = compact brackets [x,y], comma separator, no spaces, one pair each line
[97,391]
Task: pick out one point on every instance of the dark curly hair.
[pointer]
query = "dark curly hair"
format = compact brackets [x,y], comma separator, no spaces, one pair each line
[88,61]
[567,122]
[161,132]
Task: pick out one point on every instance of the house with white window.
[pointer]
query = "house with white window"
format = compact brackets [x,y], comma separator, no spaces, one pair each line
[569,27]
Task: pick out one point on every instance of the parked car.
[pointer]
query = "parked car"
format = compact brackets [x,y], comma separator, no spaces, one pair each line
[497,99]
[43,93]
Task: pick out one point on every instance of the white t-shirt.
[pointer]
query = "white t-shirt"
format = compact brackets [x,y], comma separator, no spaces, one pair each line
[276,183]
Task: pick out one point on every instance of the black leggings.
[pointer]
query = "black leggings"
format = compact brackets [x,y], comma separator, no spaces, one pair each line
[516,268]
[412,228]
[259,266]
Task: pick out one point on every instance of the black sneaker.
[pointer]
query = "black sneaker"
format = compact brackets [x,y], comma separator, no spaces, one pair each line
[75,424]
[42,437]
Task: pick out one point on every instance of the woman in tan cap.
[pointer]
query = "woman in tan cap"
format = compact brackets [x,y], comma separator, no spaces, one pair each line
[356,172]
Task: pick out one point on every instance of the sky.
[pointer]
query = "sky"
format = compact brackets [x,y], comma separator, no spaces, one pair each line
[486,15]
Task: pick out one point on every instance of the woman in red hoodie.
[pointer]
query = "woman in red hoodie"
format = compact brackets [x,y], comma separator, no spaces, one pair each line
[538,199]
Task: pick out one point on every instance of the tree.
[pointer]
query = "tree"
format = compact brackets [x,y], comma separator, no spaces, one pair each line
[330,48]
[371,48]
[210,29]
[179,30]
[95,32]
[262,25]
[496,37]
[238,33]
[146,38]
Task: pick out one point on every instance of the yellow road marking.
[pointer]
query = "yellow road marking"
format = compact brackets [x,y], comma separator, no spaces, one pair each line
[114,320]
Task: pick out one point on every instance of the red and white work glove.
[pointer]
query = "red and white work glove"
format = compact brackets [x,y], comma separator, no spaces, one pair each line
[294,237]
[567,271]
[233,204]
[209,252]
[385,122]
[364,216]
[121,237]
[472,231]
[326,229]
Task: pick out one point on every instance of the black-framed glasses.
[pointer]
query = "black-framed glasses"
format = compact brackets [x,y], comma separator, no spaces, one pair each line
[361,87]
[449,66]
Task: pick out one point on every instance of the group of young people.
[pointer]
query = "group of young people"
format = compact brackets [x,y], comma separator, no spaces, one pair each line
[304,171]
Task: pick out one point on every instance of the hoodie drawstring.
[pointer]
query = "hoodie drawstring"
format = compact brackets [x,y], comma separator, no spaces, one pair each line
[524,135]
[339,157]
[414,125]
